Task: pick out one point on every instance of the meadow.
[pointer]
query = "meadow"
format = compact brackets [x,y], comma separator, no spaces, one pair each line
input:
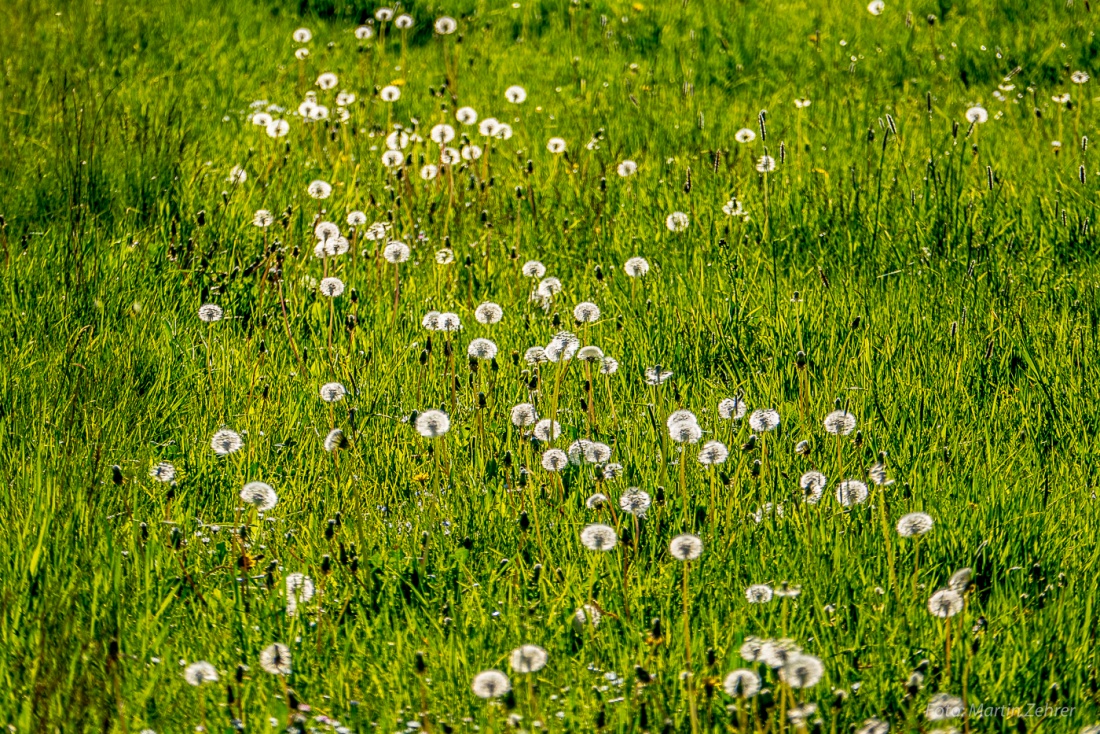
[556,365]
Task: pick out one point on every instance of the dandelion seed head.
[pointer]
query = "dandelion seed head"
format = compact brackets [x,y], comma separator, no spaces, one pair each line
[490,684]
[599,537]
[554,460]
[225,442]
[260,495]
[275,659]
[840,423]
[759,594]
[432,423]
[851,492]
[686,547]
[914,523]
[635,502]
[763,421]
[741,683]
[200,672]
[945,603]
[528,659]
[210,313]
[332,392]
[481,349]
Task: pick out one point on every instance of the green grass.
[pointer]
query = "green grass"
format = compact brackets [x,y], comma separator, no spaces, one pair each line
[947,297]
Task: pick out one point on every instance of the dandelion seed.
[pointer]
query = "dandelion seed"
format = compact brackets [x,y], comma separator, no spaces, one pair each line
[636,267]
[432,423]
[200,672]
[535,355]
[587,614]
[802,671]
[977,115]
[759,594]
[840,423]
[874,726]
[262,218]
[446,256]
[403,22]
[562,347]
[555,145]
[515,94]
[470,152]
[445,25]
[303,35]
[751,649]
[278,128]
[686,547]
[299,589]
[713,453]
[635,502]
[599,537]
[915,523]
[335,440]
[586,312]
[225,442]
[389,94]
[442,134]
[392,158]
[163,472]
[275,659]
[547,430]
[685,432]
[429,172]
[383,14]
[237,176]
[301,54]
[319,189]
[677,222]
[1079,77]
[777,653]
[210,313]
[763,421]
[490,684]
[732,208]
[590,354]
[364,33]
[528,659]
[876,7]
[741,683]
[609,366]
[260,495]
[945,603]
[960,580]
[655,376]
[627,169]
[851,492]
[332,392]
[943,706]
[595,501]
[327,81]
[765,164]
[488,127]
[596,452]
[396,253]
[466,115]
[878,475]
[732,409]
[813,486]
[481,349]
[331,287]
[745,135]
[533,269]
[524,415]
[554,460]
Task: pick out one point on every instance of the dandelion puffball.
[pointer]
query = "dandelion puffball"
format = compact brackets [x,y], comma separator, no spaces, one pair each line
[432,423]
[686,547]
